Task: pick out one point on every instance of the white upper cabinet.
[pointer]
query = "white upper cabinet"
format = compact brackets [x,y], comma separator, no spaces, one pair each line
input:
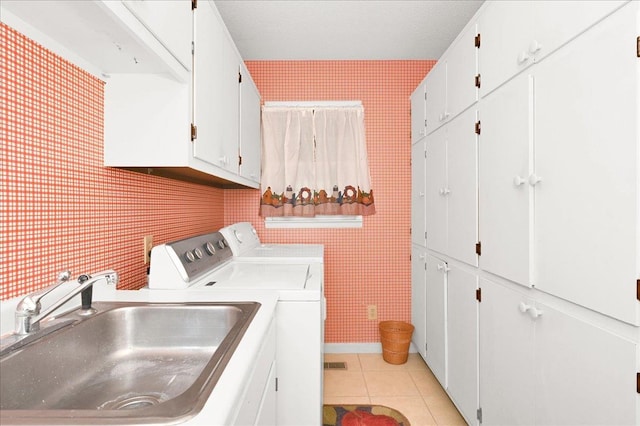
[250,133]
[156,90]
[515,34]
[587,155]
[164,19]
[418,113]
[216,92]
[505,194]
[451,83]
[462,69]
[436,88]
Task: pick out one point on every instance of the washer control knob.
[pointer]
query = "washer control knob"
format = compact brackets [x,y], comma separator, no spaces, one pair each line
[238,235]
[189,257]
[210,248]
[197,253]
[221,244]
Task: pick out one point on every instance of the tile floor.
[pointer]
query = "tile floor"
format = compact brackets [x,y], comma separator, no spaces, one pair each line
[410,388]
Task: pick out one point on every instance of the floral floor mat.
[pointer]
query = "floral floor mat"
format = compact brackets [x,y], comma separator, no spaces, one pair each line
[362,415]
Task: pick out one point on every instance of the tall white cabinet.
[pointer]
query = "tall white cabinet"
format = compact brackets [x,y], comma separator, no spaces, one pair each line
[539,323]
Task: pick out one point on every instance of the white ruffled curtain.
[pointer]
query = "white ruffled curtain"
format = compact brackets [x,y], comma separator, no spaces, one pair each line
[314,162]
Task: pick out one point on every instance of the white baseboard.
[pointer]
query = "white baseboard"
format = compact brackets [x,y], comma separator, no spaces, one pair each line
[358,348]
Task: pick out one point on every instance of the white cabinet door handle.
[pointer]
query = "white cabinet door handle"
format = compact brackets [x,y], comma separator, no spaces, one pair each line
[423,132]
[523,307]
[523,57]
[534,179]
[421,194]
[444,268]
[224,159]
[518,180]
[534,47]
[445,191]
[534,313]
[421,256]
[444,116]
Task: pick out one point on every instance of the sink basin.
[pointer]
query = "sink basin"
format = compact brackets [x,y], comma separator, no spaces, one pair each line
[129,363]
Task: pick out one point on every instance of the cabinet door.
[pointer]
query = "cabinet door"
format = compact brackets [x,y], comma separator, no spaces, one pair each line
[436,315]
[170,21]
[584,375]
[557,22]
[462,341]
[505,29]
[267,411]
[461,71]
[587,154]
[507,378]
[437,190]
[436,88]
[505,197]
[215,91]
[250,142]
[418,203]
[418,113]
[419,298]
[462,182]
[299,362]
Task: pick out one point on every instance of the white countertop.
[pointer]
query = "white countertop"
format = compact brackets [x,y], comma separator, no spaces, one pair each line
[222,405]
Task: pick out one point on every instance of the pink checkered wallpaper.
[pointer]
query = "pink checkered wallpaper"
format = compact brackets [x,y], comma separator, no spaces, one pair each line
[371,265]
[60,208]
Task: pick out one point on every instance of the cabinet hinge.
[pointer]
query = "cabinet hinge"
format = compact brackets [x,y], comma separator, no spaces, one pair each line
[276,384]
[478,128]
[638,289]
[239,77]
[638,46]
[194,4]
[479,294]
[479,248]
[239,160]
[476,40]
[194,132]
[478,81]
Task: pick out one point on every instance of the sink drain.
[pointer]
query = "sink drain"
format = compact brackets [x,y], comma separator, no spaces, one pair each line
[132,402]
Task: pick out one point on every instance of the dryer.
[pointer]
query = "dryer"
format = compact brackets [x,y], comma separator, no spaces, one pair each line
[246,246]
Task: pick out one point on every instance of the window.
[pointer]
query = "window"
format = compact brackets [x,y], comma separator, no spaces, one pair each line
[314,163]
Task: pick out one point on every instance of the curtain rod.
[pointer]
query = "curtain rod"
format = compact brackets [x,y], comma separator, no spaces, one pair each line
[320,104]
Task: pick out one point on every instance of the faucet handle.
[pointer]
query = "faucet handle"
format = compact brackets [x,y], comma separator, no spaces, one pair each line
[63,277]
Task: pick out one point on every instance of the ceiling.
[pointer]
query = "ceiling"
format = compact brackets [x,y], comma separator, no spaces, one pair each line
[344,30]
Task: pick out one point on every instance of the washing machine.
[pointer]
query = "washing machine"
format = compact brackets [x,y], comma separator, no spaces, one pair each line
[207,262]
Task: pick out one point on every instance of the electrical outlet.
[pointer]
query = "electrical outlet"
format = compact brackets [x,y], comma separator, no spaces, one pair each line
[372,312]
[148,245]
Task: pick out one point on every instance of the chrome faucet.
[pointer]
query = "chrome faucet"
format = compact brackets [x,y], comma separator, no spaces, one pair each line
[28,315]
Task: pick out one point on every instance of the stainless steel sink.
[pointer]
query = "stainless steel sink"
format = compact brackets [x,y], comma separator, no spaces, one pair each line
[129,363]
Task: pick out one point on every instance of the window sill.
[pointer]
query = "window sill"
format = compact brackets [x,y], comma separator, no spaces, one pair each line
[314,222]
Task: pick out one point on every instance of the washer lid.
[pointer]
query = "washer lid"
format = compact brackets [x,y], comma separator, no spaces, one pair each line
[259,276]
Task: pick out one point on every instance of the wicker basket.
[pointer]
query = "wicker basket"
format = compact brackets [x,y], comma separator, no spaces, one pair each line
[396,338]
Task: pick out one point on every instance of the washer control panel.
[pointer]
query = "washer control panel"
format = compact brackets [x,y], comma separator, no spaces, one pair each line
[201,253]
